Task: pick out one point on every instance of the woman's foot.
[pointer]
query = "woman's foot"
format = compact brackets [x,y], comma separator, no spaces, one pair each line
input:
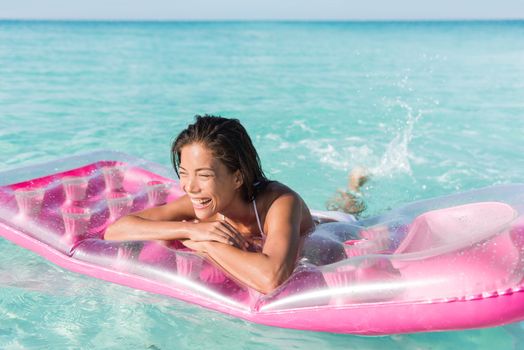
[357,178]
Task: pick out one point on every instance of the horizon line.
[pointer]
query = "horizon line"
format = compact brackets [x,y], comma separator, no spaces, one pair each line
[263,20]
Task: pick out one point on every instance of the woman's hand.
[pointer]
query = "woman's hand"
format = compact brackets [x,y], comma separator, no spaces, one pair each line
[216,231]
[199,247]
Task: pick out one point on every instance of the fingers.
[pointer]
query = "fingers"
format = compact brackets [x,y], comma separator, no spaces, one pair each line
[222,236]
[218,231]
[225,233]
[235,235]
[216,234]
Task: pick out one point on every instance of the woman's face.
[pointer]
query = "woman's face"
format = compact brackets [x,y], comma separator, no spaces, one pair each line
[206,180]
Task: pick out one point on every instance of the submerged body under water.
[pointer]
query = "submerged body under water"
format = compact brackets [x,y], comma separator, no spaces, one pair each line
[429,108]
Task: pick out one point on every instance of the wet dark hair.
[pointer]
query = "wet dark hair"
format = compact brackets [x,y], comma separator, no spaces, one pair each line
[230,143]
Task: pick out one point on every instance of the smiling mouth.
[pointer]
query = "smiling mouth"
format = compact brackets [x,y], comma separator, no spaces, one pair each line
[200,203]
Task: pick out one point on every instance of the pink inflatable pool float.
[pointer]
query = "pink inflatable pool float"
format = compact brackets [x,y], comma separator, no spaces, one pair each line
[448,263]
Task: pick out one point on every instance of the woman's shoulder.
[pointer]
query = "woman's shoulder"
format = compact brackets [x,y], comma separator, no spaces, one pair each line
[275,190]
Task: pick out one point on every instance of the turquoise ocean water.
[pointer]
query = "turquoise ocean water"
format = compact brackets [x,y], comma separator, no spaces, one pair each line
[430,108]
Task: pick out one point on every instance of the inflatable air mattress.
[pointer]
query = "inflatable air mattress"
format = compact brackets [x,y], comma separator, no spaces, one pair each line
[448,263]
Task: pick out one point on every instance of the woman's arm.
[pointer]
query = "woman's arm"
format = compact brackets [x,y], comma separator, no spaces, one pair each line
[164,222]
[171,221]
[266,270]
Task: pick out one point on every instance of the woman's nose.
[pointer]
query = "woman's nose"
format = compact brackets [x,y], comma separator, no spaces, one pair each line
[191,185]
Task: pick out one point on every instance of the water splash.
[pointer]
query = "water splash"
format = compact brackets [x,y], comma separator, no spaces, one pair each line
[396,157]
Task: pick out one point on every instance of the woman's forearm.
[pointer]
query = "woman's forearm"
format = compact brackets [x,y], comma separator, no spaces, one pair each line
[133,227]
[257,270]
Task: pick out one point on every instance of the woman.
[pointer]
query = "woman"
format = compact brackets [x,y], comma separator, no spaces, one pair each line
[229,208]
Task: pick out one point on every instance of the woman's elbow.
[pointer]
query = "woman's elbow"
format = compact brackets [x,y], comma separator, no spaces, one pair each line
[109,234]
[271,282]
[266,288]
[113,232]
